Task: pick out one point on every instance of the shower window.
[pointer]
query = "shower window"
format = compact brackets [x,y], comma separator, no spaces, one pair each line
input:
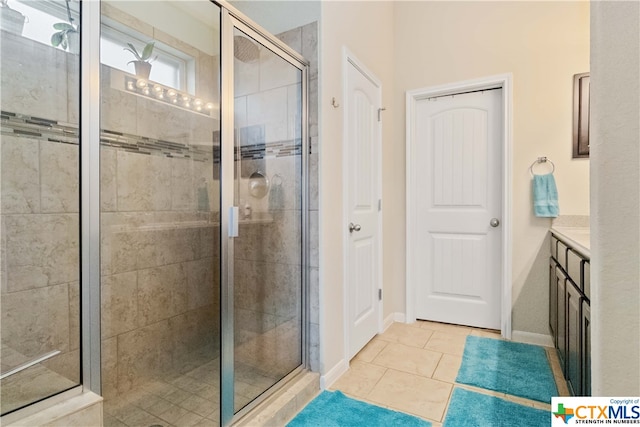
[170,67]
[39,312]
[40,17]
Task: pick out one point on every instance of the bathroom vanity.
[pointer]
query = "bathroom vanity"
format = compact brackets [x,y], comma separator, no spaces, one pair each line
[569,305]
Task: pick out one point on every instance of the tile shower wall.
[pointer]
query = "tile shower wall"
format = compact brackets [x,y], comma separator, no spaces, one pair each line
[39,215]
[160,229]
[304,40]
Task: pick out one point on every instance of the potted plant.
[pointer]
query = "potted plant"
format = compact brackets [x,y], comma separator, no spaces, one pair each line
[11,19]
[67,36]
[142,63]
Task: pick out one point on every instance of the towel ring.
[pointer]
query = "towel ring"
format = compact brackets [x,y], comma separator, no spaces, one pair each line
[541,160]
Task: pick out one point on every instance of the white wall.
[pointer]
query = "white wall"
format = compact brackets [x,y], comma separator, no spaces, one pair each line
[279,16]
[615,198]
[543,44]
[366,29]
[176,19]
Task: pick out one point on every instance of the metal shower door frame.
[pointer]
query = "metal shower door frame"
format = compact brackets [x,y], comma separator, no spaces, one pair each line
[233,19]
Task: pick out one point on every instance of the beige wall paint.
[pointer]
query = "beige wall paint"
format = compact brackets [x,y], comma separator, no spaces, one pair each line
[615,198]
[176,18]
[543,44]
[366,29]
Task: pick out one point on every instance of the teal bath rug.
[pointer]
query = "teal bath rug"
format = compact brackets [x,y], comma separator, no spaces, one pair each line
[508,367]
[334,409]
[471,409]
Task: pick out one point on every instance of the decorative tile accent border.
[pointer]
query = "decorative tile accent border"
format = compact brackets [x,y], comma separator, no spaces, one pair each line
[252,142]
[37,128]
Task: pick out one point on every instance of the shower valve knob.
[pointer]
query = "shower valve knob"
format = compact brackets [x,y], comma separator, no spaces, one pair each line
[354,227]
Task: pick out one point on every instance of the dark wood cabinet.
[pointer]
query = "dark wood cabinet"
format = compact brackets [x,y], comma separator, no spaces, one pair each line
[570,315]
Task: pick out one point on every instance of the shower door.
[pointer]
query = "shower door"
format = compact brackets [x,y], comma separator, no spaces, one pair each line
[263,216]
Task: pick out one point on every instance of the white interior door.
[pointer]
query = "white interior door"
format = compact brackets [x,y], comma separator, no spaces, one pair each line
[362,263]
[458,204]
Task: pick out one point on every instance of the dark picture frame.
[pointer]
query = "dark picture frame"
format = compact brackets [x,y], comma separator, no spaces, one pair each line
[581,115]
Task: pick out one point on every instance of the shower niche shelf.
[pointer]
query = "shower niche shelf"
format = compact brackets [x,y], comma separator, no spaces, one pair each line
[148,89]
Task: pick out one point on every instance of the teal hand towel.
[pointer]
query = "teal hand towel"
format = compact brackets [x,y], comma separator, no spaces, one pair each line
[545,196]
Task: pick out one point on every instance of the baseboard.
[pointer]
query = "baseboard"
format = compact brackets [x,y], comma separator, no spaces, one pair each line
[531,338]
[391,318]
[333,374]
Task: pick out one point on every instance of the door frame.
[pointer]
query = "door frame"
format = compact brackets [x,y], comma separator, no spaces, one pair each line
[349,58]
[504,82]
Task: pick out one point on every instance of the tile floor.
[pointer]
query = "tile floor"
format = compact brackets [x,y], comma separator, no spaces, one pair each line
[412,368]
[409,368]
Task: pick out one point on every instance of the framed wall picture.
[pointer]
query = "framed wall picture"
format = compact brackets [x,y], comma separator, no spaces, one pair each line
[581,115]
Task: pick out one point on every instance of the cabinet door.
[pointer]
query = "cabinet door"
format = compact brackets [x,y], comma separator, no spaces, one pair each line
[574,323]
[562,319]
[586,348]
[553,302]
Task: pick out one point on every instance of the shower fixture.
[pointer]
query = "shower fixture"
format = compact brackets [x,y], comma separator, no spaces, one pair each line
[245,50]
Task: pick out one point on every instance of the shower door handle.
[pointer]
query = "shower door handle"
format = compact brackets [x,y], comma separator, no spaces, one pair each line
[234,214]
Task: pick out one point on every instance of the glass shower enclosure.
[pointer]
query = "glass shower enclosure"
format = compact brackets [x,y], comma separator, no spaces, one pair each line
[199,160]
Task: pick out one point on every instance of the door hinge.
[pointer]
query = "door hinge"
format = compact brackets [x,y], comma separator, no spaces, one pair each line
[380,294]
[380,110]
[379,205]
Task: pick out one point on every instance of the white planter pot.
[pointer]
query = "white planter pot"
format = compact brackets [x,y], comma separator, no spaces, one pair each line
[143,69]
[11,20]
[73,40]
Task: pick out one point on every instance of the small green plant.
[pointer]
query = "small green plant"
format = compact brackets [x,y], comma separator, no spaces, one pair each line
[65,30]
[61,37]
[145,56]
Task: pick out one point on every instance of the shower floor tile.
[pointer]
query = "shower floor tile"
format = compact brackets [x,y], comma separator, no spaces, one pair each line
[184,400]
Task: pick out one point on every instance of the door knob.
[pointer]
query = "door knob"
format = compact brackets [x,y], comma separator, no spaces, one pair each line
[354,227]
[494,222]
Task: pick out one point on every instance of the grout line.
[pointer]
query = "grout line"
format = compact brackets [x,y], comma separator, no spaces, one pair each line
[377,382]
[437,366]
[446,408]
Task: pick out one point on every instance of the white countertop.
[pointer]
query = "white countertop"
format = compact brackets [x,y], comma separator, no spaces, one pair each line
[579,238]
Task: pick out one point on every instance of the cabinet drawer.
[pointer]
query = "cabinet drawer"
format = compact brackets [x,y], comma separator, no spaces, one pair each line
[574,268]
[562,255]
[586,279]
[554,247]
